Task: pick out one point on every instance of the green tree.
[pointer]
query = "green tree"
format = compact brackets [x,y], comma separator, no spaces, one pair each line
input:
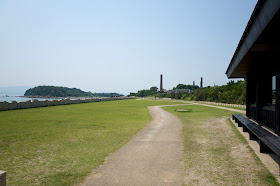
[232,92]
[182,86]
[153,89]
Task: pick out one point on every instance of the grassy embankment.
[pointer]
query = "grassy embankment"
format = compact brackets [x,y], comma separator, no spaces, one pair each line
[215,152]
[60,145]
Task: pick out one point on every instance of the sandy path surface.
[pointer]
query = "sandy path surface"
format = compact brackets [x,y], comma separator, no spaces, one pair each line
[151,158]
[270,160]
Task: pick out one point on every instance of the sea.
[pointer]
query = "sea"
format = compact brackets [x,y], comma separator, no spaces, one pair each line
[16,93]
[11,94]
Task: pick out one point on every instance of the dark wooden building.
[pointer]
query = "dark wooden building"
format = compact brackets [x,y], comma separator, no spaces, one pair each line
[257,59]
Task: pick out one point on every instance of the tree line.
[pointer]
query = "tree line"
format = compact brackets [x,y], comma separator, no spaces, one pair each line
[182,86]
[146,92]
[232,92]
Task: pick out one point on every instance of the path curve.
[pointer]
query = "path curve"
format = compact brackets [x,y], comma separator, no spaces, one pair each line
[151,158]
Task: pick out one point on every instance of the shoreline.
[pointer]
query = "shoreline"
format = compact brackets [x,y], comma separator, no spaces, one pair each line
[10,99]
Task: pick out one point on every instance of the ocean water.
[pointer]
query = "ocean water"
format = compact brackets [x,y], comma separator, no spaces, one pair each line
[10,94]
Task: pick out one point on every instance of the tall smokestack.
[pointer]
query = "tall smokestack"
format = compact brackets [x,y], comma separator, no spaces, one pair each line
[160,83]
[201,82]
[193,83]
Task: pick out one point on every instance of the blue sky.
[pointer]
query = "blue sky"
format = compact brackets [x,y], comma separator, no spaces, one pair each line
[119,46]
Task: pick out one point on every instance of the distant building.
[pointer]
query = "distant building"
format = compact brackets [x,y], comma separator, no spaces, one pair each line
[179,90]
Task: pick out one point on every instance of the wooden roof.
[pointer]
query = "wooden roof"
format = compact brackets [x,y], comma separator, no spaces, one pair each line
[260,38]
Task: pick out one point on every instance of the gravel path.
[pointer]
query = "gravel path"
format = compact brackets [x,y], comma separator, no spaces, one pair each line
[225,108]
[151,158]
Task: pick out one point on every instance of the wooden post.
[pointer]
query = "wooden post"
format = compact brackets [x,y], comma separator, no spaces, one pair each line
[252,136]
[264,148]
[277,109]
[279,164]
[258,101]
[248,95]
[264,96]
[2,178]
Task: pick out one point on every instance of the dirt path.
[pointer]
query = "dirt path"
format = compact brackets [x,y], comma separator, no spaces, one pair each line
[154,156]
[270,160]
[151,158]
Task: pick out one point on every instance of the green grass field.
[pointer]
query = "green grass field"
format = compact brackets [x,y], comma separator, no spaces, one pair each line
[214,150]
[60,145]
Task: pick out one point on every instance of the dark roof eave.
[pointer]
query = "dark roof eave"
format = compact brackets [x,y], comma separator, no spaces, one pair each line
[261,16]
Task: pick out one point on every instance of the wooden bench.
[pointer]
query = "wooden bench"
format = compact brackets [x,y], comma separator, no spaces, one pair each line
[268,141]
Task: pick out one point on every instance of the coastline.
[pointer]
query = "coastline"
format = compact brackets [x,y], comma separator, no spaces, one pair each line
[11,98]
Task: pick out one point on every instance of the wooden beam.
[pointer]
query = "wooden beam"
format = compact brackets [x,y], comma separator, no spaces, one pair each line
[277,109]
[258,100]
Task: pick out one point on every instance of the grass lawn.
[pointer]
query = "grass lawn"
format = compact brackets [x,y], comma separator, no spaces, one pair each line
[215,152]
[60,145]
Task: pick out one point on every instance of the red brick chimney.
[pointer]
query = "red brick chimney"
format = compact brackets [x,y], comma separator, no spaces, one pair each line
[160,83]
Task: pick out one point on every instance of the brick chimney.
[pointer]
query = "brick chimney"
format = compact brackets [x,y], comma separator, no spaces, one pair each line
[160,83]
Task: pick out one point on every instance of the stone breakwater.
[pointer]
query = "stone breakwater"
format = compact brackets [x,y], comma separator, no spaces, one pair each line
[35,103]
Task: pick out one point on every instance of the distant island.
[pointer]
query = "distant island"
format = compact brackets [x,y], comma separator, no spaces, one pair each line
[54,91]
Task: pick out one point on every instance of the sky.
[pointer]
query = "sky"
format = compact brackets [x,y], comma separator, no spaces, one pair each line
[119,45]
